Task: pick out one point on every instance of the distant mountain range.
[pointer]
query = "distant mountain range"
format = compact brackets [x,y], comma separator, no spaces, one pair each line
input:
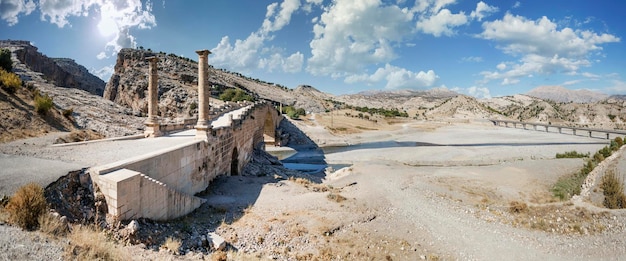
[562,94]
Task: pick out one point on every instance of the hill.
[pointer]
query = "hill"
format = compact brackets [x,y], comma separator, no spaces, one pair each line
[178,85]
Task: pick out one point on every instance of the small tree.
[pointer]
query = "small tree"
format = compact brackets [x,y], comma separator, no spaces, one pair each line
[43,104]
[5,60]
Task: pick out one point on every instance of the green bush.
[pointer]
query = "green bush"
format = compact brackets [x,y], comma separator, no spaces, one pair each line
[613,188]
[235,95]
[5,60]
[619,141]
[26,205]
[571,154]
[43,104]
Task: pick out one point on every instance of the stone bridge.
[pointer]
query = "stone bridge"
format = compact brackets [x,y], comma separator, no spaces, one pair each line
[161,184]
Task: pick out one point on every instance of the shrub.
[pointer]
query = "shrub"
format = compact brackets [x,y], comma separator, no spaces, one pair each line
[613,188]
[5,60]
[43,103]
[568,186]
[172,245]
[67,113]
[518,207]
[619,141]
[26,205]
[571,154]
[9,81]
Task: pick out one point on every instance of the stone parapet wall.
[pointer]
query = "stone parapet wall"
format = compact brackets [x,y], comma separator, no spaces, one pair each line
[160,185]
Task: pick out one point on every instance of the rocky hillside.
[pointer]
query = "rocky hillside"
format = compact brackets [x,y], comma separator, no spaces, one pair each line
[178,85]
[62,72]
[561,94]
[80,109]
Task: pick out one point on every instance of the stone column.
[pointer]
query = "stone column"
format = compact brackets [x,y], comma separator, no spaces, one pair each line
[152,123]
[203,125]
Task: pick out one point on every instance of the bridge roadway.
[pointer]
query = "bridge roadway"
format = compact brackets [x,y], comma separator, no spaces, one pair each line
[560,128]
[37,160]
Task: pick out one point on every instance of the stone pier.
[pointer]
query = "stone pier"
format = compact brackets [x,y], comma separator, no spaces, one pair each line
[203,127]
[152,123]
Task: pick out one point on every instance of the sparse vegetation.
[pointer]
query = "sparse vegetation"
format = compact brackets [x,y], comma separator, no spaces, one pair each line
[88,244]
[9,81]
[172,244]
[572,154]
[68,113]
[518,207]
[613,190]
[235,95]
[293,112]
[336,197]
[570,185]
[5,60]
[26,205]
[52,225]
[43,104]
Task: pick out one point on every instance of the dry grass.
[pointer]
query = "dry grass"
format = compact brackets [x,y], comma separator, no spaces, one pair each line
[26,205]
[336,197]
[80,135]
[52,225]
[219,256]
[309,184]
[562,219]
[89,244]
[172,244]
[518,207]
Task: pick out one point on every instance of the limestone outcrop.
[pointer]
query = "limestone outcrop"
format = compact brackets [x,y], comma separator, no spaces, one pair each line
[178,83]
[63,72]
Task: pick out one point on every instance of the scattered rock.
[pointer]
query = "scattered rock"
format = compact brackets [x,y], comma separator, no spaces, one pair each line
[216,241]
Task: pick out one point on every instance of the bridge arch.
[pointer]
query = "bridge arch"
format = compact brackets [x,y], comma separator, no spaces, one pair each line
[234,162]
[269,129]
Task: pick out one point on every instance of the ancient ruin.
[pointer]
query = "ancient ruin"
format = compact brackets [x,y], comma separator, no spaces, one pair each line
[160,185]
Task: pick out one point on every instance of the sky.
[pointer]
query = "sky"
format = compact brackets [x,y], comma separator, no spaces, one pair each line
[483,48]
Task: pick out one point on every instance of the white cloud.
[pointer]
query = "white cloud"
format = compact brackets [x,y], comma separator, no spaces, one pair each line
[482,10]
[474,59]
[590,75]
[545,48]
[572,82]
[287,7]
[350,35]
[251,53]
[10,9]
[442,23]
[397,78]
[103,73]
[517,4]
[115,20]
[102,55]
[479,92]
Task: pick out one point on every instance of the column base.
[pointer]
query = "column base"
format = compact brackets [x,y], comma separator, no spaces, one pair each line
[152,130]
[203,131]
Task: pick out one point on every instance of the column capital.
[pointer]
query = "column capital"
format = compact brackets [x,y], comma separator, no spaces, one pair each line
[152,59]
[203,52]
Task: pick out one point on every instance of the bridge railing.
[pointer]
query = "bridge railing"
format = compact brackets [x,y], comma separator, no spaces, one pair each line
[497,122]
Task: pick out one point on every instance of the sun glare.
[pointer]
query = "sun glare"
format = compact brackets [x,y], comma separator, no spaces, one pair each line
[107,26]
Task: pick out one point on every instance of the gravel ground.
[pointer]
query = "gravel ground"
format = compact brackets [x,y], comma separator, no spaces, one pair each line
[16,244]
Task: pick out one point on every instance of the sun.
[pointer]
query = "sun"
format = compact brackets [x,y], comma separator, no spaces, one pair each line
[107,26]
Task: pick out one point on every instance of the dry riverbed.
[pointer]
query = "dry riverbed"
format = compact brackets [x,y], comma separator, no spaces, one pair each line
[410,190]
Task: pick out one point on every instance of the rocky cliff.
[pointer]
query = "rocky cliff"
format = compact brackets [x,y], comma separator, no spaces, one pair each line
[62,72]
[178,85]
